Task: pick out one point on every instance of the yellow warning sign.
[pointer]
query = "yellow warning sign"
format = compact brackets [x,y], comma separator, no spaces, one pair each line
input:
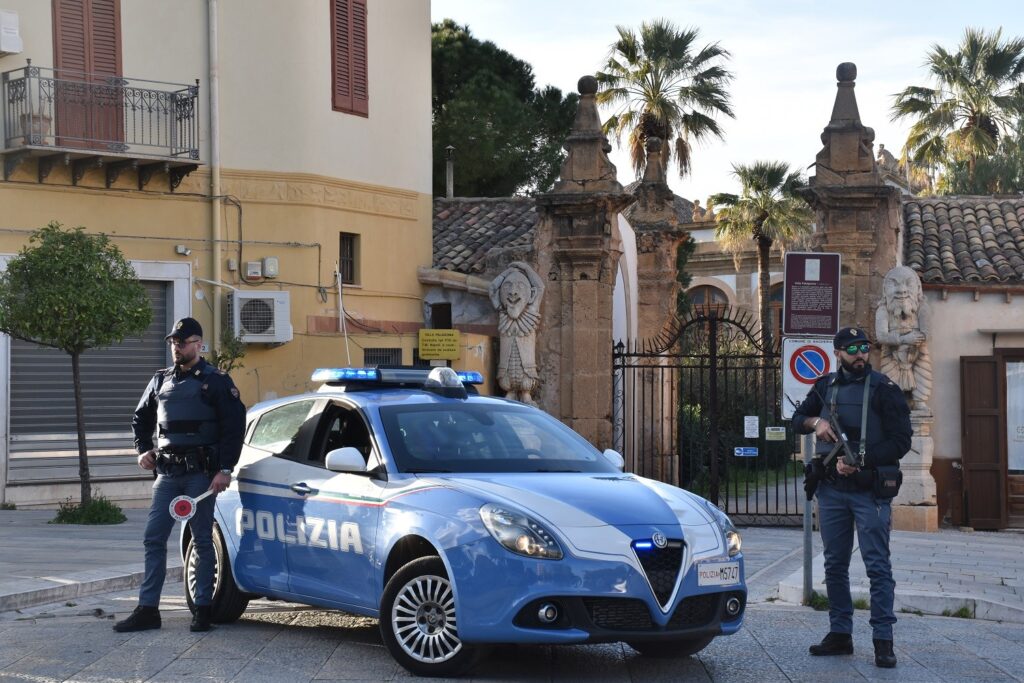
[439,344]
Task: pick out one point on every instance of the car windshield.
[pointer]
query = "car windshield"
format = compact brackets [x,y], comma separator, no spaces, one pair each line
[469,437]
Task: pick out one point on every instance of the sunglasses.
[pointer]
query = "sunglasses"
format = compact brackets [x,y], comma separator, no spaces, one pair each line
[852,349]
[180,343]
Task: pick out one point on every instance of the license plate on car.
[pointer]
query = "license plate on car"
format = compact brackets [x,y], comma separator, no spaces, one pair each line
[718,573]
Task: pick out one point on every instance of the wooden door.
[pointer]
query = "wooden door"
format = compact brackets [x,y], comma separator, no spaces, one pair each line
[981,423]
[87,53]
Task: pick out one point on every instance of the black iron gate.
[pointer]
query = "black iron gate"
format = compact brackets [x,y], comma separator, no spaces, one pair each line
[699,407]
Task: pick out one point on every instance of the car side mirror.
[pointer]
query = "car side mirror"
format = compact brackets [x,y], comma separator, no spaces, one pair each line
[347,459]
[615,458]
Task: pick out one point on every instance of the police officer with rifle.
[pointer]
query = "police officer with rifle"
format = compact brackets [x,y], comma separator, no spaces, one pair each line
[862,424]
[199,422]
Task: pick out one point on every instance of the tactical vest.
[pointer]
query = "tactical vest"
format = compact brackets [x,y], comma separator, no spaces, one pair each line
[184,418]
[849,401]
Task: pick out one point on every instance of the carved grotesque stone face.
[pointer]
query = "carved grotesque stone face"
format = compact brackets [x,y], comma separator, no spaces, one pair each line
[515,294]
[901,284]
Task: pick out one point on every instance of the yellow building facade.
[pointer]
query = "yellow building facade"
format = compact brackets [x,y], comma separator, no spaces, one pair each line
[272,162]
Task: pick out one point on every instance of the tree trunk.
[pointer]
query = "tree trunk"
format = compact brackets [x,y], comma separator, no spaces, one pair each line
[764,278]
[83,454]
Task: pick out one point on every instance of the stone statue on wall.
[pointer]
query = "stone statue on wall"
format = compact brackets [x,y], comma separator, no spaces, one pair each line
[516,294]
[902,327]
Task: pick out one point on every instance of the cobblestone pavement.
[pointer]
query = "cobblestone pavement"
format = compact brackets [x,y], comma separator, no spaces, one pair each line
[278,642]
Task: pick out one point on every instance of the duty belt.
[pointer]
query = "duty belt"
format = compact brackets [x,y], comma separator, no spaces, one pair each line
[188,459]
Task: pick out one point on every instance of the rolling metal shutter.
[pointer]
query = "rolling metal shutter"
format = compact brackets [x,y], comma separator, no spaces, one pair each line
[43,441]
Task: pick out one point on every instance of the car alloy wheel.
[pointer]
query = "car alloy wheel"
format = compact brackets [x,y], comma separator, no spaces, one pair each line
[423,618]
[418,623]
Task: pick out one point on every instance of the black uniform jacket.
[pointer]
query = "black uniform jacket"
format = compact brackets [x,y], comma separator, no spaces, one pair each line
[222,395]
[886,400]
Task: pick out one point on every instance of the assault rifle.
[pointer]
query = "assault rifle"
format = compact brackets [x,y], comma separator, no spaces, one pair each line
[842,445]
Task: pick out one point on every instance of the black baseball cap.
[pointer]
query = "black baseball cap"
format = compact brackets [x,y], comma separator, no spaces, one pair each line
[185,328]
[850,335]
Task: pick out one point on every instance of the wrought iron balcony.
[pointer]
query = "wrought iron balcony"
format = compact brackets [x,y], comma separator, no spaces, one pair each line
[98,121]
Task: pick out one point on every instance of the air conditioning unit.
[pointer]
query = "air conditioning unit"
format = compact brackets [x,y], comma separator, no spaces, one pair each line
[260,317]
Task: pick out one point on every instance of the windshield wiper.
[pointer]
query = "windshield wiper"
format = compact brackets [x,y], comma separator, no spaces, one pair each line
[427,471]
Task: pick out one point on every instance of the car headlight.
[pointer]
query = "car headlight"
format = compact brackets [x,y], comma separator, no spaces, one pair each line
[732,536]
[519,533]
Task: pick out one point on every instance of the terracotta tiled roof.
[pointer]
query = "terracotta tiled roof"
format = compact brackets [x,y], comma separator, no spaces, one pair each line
[960,240]
[466,229]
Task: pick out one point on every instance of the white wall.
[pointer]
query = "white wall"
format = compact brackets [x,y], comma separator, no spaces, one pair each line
[955,333]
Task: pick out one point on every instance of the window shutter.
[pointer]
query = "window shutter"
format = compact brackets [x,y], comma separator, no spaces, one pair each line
[360,79]
[69,36]
[341,67]
[349,70]
[105,50]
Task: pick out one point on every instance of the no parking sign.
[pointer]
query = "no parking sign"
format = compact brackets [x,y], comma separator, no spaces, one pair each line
[804,360]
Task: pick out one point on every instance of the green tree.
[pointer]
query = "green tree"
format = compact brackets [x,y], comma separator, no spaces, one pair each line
[72,291]
[767,210]
[508,134]
[977,96]
[660,84]
[1000,173]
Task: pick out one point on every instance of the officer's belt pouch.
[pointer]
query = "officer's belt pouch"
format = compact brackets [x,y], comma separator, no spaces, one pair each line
[888,479]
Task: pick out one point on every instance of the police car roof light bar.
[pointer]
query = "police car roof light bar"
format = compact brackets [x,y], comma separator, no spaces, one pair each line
[346,375]
[415,376]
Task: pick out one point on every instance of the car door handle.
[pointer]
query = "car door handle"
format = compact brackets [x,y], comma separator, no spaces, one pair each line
[302,489]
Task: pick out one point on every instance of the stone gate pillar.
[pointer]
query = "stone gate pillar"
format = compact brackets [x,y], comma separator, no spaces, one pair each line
[858,213]
[578,249]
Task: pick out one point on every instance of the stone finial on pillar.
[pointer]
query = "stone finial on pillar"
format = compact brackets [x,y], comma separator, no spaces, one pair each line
[587,166]
[654,170]
[847,142]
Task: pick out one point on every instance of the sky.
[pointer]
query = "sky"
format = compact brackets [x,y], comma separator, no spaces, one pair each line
[784,58]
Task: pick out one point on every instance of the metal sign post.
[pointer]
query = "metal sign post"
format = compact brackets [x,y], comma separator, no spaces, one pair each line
[810,309]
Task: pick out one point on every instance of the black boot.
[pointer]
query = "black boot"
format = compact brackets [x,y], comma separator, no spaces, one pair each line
[141,619]
[884,656]
[200,619]
[833,644]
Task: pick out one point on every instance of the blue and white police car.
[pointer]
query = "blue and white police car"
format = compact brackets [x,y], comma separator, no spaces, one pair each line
[459,521]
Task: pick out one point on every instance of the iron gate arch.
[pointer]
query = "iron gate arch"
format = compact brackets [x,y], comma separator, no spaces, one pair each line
[679,406]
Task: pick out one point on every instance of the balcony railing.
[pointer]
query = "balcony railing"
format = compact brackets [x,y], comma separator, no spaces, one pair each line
[88,121]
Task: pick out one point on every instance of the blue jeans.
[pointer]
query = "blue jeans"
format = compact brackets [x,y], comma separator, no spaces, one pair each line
[839,512]
[158,530]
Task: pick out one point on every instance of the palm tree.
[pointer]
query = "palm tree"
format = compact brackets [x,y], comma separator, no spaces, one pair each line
[767,210]
[978,97]
[663,86]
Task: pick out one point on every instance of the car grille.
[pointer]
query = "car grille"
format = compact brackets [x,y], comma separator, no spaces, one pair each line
[661,565]
[619,614]
[697,610]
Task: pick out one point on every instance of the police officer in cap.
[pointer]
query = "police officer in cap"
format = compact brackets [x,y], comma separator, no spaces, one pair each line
[856,496]
[199,422]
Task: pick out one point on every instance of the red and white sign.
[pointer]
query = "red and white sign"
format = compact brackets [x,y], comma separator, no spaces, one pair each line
[804,360]
[183,508]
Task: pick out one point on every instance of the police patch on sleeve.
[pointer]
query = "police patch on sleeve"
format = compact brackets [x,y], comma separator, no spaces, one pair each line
[234,392]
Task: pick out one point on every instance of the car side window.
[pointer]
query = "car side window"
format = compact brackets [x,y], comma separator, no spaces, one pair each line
[278,430]
[341,426]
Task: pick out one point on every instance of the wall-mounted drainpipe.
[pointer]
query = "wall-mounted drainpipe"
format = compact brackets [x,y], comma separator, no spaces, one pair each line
[215,191]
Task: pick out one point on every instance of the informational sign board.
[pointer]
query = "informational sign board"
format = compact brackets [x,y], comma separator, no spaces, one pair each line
[804,360]
[745,451]
[439,345]
[750,426]
[811,294]
[774,433]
